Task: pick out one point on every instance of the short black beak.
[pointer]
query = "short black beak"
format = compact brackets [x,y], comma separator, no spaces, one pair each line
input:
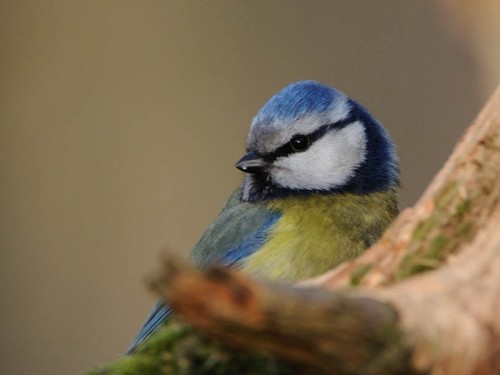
[252,163]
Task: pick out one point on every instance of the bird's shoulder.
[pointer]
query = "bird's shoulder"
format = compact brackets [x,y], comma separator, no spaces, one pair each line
[239,230]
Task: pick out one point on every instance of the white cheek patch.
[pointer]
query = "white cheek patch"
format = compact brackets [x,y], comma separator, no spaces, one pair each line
[328,163]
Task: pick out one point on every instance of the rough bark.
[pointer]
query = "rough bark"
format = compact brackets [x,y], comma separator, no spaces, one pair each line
[441,322]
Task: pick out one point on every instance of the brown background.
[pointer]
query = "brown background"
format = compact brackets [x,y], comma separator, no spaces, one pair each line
[121,121]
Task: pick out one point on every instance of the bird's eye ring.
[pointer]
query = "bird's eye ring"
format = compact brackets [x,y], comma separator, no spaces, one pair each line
[300,143]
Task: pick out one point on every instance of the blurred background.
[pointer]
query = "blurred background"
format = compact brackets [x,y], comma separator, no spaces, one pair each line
[121,121]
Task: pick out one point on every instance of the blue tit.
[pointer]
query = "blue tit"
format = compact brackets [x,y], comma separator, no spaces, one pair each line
[321,175]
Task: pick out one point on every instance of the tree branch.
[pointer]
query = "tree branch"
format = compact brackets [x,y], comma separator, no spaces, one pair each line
[331,332]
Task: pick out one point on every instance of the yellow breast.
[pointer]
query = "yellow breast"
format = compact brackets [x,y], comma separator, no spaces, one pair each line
[316,233]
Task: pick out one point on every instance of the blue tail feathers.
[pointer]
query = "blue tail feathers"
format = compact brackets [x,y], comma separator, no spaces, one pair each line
[156,317]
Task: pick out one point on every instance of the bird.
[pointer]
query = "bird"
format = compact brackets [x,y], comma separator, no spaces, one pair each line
[320,186]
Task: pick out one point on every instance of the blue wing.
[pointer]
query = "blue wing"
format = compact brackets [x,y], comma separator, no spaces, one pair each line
[239,230]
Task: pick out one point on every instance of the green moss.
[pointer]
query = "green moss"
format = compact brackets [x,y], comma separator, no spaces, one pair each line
[465,230]
[463,208]
[359,273]
[436,237]
[437,247]
[178,349]
[446,195]
[412,265]
[424,227]
[429,258]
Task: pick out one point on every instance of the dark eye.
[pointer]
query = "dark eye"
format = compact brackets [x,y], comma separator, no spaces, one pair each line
[300,143]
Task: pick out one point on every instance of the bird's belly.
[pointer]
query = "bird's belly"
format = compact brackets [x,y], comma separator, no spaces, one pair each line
[299,249]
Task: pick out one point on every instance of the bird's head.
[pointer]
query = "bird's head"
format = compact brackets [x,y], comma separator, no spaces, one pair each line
[312,139]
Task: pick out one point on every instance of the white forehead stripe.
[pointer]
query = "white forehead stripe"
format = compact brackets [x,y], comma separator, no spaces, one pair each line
[313,122]
[328,163]
[268,137]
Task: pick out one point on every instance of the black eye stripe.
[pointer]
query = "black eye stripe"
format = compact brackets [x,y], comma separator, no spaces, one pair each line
[287,149]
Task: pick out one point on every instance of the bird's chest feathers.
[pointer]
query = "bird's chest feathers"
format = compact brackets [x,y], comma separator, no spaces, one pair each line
[315,234]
